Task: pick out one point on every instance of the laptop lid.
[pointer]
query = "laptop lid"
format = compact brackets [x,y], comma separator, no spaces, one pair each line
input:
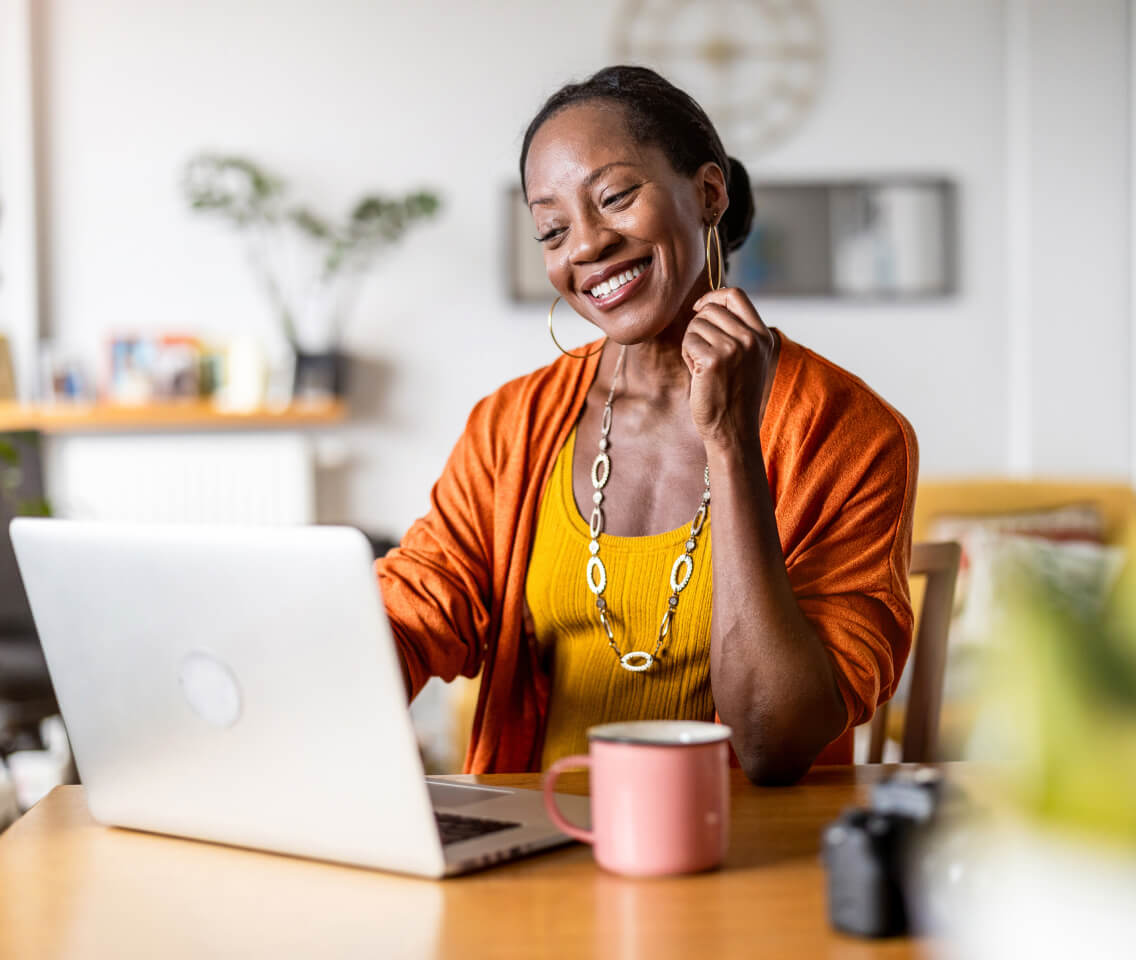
[236,684]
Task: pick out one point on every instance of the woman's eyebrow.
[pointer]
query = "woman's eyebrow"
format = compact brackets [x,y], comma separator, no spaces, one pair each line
[588,180]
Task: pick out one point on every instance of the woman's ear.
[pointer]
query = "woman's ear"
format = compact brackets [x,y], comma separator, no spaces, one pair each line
[711,182]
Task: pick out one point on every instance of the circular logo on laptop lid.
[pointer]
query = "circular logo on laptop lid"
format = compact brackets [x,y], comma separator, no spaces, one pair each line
[210,688]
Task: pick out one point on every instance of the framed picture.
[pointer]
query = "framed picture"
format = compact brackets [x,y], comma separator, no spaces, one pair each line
[525,275]
[888,239]
[891,238]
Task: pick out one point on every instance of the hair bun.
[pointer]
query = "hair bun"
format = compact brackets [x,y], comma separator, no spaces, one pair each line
[738,218]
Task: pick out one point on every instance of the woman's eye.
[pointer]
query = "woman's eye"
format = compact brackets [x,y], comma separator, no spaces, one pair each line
[549,234]
[618,197]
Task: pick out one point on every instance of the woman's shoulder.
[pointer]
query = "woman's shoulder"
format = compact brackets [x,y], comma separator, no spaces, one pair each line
[529,402]
[828,432]
[812,390]
[562,373]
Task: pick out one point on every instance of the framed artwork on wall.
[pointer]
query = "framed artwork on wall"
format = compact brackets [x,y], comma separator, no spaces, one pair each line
[524,261]
[870,239]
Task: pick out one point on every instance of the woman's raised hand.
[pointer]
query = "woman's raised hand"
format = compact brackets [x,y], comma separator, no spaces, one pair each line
[729,352]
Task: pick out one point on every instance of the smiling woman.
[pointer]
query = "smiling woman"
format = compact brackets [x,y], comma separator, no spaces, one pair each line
[591,588]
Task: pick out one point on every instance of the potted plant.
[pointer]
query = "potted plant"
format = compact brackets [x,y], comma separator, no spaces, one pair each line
[1047,867]
[311,266]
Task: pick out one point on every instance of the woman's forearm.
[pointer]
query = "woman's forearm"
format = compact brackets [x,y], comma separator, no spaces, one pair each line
[773,680]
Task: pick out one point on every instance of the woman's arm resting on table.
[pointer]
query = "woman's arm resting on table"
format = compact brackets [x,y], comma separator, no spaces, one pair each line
[781,680]
[774,682]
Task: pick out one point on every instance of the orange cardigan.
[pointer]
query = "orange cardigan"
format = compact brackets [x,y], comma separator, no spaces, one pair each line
[842,466]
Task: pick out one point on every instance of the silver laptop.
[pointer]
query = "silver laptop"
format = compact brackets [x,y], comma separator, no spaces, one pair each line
[240,685]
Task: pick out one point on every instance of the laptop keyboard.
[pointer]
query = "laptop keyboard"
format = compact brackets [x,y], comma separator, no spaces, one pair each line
[454,829]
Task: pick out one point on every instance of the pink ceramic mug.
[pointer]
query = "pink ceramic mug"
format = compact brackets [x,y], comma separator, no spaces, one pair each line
[660,796]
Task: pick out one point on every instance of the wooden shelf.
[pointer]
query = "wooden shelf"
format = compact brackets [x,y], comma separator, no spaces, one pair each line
[164,417]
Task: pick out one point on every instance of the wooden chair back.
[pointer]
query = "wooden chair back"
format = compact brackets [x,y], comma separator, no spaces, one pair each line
[938,563]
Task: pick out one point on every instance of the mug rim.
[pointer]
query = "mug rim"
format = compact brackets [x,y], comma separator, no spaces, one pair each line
[660,733]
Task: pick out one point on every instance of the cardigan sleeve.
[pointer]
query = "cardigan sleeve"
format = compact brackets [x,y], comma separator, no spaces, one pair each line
[436,585]
[848,564]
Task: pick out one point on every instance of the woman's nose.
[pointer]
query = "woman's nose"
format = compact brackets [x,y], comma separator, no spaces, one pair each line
[592,240]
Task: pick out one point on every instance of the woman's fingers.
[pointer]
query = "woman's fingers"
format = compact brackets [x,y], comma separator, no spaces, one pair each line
[716,339]
[729,324]
[725,348]
[736,302]
[697,350]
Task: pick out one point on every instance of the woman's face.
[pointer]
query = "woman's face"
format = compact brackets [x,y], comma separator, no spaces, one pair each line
[623,233]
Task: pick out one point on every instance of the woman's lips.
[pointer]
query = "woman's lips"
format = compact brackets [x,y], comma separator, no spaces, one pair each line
[627,290]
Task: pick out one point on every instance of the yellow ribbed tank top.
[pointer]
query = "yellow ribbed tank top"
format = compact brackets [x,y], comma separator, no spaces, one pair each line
[588,684]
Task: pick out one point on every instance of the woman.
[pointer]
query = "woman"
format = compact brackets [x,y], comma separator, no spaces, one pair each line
[541,563]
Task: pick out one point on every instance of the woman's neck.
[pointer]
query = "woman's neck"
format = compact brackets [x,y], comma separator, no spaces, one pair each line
[655,369]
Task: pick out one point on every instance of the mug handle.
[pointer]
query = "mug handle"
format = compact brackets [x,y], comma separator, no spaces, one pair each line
[554,814]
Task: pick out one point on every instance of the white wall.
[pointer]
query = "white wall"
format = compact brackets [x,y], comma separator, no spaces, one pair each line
[1078,136]
[342,96]
[19,241]
[919,87]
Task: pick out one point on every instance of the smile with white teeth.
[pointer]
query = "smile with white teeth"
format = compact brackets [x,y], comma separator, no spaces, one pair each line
[611,284]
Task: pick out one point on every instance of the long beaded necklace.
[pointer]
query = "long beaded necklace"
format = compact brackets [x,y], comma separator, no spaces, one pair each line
[635,660]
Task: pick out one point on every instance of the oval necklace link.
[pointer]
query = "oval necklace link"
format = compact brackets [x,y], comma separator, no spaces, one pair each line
[636,661]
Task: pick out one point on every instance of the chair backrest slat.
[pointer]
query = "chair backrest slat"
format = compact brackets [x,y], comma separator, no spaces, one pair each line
[938,563]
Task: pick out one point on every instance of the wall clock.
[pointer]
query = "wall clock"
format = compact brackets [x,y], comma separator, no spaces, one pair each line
[755,65]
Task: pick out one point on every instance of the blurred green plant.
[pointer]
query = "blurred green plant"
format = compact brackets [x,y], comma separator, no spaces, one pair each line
[1059,721]
[12,476]
[256,202]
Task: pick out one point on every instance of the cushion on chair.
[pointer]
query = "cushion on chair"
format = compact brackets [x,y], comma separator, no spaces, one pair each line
[1063,546]
[1054,509]
[980,535]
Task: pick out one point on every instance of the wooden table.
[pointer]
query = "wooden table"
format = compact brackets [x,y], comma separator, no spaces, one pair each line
[70,888]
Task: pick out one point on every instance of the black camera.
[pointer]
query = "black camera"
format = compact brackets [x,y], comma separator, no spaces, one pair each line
[872,855]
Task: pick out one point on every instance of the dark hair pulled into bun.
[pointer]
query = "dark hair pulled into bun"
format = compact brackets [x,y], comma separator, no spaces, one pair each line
[738,218]
[660,114]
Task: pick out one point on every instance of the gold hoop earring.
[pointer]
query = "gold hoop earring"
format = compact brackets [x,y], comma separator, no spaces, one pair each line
[567,353]
[712,230]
